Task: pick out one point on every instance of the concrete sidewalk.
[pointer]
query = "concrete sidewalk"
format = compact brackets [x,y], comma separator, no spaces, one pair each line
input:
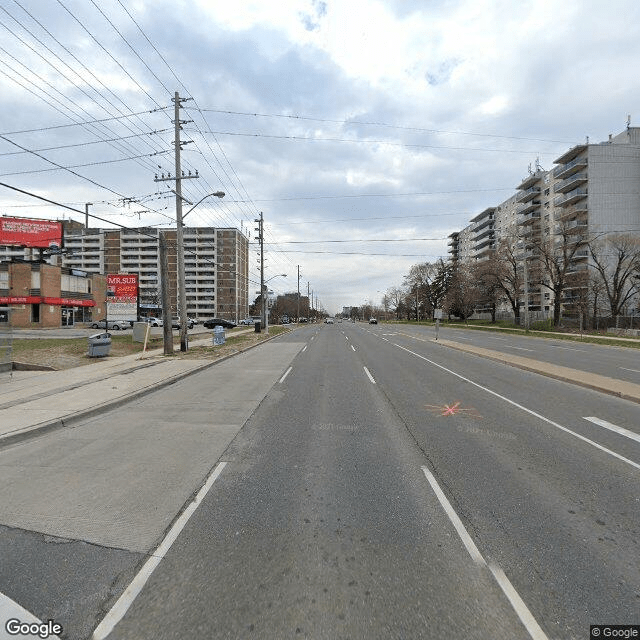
[613,386]
[32,402]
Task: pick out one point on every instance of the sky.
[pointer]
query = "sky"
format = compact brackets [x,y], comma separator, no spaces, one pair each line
[365,131]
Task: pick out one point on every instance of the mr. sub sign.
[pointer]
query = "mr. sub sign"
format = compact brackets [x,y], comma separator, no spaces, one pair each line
[122,296]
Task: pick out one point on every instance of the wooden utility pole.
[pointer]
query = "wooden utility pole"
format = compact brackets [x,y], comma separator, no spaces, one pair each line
[164,292]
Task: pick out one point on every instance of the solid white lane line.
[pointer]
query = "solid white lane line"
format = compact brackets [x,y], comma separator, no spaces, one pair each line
[120,608]
[368,374]
[476,556]
[526,617]
[519,348]
[521,609]
[625,369]
[571,349]
[614,427]
[529,411]
[287,372]
[353,347]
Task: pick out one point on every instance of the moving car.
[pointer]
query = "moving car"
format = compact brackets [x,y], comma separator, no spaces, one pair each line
[113,324]
[329,321]
[373,320]
[218,322]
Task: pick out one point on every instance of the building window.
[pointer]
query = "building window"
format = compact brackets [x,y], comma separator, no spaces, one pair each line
[35,313]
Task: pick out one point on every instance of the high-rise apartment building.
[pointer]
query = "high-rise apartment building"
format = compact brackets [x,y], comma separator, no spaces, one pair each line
[593,192]
[216,264]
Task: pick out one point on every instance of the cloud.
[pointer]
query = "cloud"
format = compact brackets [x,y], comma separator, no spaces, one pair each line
[450,100]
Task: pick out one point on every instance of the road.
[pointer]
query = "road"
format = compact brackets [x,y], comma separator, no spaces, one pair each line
[384,487]
[607,360]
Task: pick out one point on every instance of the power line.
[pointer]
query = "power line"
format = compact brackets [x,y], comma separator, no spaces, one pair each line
[382,142]
[385,124]
[83,144]
[83,123]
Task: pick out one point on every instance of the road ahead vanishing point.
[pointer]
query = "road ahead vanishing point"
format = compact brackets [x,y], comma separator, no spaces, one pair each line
[340,481]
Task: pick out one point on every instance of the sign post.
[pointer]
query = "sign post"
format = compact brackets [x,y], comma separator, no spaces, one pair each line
[438,317]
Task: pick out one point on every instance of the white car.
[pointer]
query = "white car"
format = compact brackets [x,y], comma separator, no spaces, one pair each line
[154,322]
[329,321]
[247,321]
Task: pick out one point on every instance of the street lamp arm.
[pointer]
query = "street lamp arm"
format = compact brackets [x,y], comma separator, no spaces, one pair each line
[218,194]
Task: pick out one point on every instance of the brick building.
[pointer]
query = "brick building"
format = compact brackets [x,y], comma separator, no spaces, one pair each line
[41,295]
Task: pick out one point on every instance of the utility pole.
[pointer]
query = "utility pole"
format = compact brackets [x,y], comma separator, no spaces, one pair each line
[298,316]
[308,307]
[179,177]
[164,291]
[86,214]
[263,309]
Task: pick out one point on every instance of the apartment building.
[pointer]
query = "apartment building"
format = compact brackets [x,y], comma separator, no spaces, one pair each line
[216,265]
[593,191]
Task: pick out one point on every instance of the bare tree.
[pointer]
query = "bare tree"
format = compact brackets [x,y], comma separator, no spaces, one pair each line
[616,259]
[555,254]
[503,270]
[427,283]
[463,293]
[395,298]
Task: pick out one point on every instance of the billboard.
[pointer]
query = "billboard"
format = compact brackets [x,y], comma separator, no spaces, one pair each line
[122,296]
[25,232]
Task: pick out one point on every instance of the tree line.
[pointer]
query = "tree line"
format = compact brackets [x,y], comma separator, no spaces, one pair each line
[592,278]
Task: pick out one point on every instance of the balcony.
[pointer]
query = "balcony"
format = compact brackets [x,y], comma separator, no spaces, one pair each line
[571,197]
[484,223]
[484,234]
[487,245]
[568,156]
[571,212]
[572,182]
[530,180]
[528,218]
[527,207]
[528,194]
[565,170]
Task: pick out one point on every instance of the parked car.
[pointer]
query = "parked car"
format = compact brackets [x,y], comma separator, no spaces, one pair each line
[175,323]
[373,320]
[329,321]
[113,324]
[218,322]
[154,322]
[247,321]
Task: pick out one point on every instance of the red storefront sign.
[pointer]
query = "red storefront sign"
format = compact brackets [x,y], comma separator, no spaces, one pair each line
[122,287]
[62,302]
[24,232]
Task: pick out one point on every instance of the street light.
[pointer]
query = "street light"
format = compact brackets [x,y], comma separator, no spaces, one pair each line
[182,293]
[265,306]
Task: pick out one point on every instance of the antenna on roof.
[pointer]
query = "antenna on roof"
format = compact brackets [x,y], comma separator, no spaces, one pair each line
[628,122]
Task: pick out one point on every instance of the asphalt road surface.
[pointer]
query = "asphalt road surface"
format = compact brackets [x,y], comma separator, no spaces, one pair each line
[386,487]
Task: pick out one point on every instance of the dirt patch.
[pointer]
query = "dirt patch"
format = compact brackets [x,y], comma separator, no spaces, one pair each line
[67,354]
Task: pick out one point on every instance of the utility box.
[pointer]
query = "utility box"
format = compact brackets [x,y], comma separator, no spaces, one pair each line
[99,345]
[219,336]
[257,326]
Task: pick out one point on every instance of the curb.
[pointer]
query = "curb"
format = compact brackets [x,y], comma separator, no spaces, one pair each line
[38,430]
[539,370]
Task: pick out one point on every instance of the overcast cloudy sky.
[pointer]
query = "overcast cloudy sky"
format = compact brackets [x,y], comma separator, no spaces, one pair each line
[365,130]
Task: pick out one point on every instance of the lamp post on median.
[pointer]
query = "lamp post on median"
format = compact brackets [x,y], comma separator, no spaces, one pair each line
[182,293]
